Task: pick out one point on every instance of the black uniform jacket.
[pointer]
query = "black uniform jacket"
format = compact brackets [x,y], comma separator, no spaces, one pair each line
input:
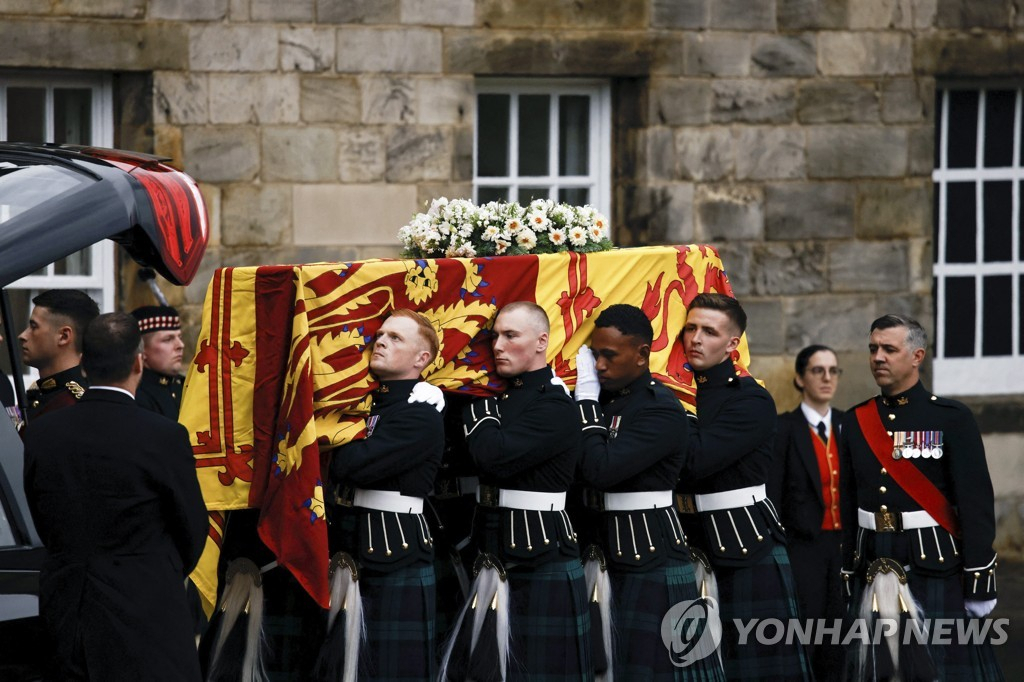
[795,483]
[113,492]
[634,440]
[401,453]
[63,389]
[961,475]
[526,439]
[730,448]
[160,393]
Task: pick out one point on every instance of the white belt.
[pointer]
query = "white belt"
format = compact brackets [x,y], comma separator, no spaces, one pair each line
[909,520]
[529,500]
[387,500]
[654,499]
[730,499]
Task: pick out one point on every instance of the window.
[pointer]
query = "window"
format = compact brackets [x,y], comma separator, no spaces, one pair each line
[979,254]
[543,140]
[72,109]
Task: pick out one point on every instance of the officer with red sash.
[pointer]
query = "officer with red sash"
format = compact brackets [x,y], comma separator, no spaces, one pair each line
[917,506]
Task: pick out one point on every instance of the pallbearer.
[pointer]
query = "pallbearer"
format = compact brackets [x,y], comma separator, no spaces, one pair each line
[726,469]
[634,442]
[383,550]
[529,590]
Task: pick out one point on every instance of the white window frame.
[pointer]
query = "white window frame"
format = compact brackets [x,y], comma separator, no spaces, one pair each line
[598,180]
[100,284]
[979,374]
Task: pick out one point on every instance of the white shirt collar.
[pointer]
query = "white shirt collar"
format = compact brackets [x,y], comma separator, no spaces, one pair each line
[812,417]
[112,388]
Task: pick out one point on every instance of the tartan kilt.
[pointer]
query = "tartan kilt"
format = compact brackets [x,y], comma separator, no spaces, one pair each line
[641,601]
[549,622]
[399,611]
[762,590]
[938,597]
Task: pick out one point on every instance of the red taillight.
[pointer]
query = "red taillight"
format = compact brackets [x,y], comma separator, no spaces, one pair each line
[180,215]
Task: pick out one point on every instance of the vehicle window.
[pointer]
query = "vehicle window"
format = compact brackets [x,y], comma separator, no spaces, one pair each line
[25,186]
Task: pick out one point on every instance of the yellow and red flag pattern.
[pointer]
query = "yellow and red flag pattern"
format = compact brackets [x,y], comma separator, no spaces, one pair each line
[281,368]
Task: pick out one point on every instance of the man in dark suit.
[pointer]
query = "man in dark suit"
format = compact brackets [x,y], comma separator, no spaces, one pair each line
[162,348]
[804,483]
[52,343]
[114,495]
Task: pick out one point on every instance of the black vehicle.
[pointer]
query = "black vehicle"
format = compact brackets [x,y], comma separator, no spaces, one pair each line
[56,200]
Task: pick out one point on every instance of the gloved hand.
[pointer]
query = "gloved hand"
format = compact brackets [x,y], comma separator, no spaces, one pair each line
[478,412]
[557,381]
[847,588]
[979,608]
[423,392]
[587,385]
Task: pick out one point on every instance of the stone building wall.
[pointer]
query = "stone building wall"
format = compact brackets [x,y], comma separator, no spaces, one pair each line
[795,135]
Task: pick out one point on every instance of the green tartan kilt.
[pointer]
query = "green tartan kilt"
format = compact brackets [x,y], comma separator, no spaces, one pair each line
[549,622]
[399,611]
[763,590]
[641,601]
[939,598]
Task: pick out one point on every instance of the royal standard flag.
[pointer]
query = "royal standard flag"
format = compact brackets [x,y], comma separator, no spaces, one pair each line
[281,368]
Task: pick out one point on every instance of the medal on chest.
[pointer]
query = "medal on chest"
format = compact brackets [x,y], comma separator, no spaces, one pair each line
[915,444]
[613,428]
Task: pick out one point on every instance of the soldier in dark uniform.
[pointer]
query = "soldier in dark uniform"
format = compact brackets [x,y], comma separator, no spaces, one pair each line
[379,521]
[162,347]
[114,494]
[525,444]
[6,390]
[634,441]
[726,468]
[52,343]
[804,484]
[916,491]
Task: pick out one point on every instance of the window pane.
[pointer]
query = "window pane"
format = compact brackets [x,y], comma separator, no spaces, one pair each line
[573,134]
[72,116]
[26,117]
[486,194]
[961,221]
[960,311]
[76,264]
[997,299]
[534,134]
[576,196]
[999,106]
[998,214]
[963,128]
[940,94]
[492,135]
[528,194]
[1020,315]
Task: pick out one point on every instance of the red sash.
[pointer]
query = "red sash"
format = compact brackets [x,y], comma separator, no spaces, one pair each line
[903,471]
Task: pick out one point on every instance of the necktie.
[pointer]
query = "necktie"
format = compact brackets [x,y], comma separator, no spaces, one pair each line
[822,432]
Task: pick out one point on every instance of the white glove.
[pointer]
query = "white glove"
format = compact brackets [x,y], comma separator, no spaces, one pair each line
[979,608]
[423,392]
[557,381]
[587,385]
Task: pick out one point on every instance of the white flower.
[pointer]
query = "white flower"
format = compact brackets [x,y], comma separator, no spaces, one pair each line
[541,205]
[513,225]
[557,236]
[490,234]
[527,239]
[578,236]
[500,246]
[600,222]
[537,220]
[596,233]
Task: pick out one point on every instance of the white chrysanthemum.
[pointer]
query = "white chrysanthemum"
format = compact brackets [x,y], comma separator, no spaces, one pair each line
[557,236]
[541,205]
[501,246]
[578,236]
[537,220]
[513,225]
[526,239]
[600,222]
[490,233]
[596,233]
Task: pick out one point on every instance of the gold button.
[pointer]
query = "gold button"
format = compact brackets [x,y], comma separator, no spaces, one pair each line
[835,525]
[882,490]
[884,472]
[833,506]
[892,417]
[835,473]
[883,508]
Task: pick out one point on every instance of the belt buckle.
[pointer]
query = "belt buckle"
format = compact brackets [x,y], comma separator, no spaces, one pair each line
[344,495]
[488,495]
[445,488]
[686,504]
[885,521]
[593,499]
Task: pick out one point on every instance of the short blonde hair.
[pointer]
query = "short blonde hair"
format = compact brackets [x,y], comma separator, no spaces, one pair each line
[426,329]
